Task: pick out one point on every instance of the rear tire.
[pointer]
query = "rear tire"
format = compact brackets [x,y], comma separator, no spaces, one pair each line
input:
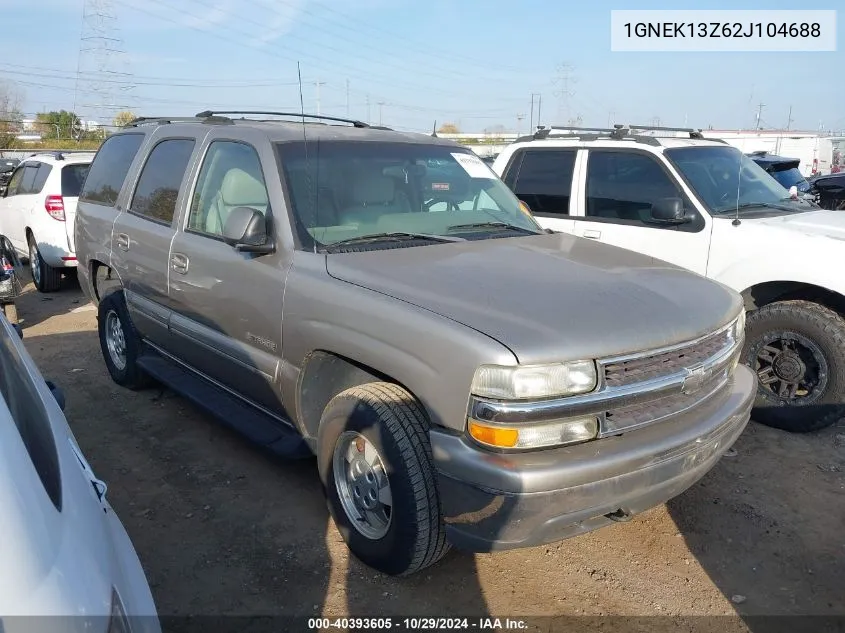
[383,420]
[797,349]
[120,343]
[45,277]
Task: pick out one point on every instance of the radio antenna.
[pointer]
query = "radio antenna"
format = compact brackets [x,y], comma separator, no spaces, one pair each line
[736,221]
[305,148]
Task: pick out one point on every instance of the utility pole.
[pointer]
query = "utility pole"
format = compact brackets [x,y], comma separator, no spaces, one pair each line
[380,104]
[539,103]
[789,119]
[347,98]
[539,106]
[759,113]
[318,84]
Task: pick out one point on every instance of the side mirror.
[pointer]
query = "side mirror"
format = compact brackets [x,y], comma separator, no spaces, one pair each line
[669,211]
[246,231]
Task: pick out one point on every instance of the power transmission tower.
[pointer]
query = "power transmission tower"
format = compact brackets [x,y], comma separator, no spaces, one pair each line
[565,80]
[760,107]
[104,82]
[789,119]
[380,106]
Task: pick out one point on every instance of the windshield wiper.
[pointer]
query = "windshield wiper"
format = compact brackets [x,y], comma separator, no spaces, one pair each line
[493,225]
[393,235]
[751,205]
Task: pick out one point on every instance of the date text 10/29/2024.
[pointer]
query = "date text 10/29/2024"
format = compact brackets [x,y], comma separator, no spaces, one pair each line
[417,624]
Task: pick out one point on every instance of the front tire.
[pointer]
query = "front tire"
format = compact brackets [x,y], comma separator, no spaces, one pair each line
[46,277]
[377,471]
[120,343]
[797,349]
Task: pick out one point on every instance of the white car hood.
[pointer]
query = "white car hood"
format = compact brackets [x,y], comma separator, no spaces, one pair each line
[821,223]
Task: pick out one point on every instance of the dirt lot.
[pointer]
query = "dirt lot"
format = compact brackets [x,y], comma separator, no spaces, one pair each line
[222,528]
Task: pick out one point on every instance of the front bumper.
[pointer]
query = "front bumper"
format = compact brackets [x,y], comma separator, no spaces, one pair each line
[492,501]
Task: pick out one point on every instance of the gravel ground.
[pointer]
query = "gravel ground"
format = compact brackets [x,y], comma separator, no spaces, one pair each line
[222,528]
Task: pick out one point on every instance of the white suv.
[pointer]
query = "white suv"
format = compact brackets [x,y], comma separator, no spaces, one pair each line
[37,212]
[704,206]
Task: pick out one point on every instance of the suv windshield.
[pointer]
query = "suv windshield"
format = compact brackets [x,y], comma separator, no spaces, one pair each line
[343,191]
[725,180]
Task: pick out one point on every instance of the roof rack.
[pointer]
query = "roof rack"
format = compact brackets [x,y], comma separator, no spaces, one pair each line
[60,154]
[693,133]
[354,122]
[164,120]
[617,132]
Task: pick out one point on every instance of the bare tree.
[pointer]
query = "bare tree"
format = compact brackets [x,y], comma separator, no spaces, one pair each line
[448,128]
[10,114]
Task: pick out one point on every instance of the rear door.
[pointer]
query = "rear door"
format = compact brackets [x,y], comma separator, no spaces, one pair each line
[144,230]
[22,202]
[542,178]
[100,200]
[10,208]
[72,177]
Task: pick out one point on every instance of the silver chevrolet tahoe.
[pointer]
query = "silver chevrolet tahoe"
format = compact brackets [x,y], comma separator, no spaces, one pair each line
[382,301]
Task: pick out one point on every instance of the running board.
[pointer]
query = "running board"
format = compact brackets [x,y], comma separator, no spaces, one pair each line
[257,426]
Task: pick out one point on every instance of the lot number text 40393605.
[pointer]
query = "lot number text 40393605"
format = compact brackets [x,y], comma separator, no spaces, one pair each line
[711,30]
[418,624]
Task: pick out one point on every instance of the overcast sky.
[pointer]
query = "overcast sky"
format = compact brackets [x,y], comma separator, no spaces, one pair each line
[471,62]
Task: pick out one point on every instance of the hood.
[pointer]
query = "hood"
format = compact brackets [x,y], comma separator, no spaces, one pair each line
[547,297]
[822,223]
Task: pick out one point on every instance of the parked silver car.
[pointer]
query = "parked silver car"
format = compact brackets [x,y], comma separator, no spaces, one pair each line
[382,301]
[66,561]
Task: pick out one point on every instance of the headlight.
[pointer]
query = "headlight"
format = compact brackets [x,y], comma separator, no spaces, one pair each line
[543,435]
[534,381]
[739,325]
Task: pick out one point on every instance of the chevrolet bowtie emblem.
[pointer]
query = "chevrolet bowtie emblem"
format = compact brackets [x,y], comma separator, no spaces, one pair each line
[695,378]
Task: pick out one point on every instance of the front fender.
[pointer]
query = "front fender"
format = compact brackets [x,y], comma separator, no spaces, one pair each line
[749,272]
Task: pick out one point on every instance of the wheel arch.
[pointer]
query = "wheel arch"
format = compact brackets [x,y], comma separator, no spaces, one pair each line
[765,293]
[326,374]
[103,279]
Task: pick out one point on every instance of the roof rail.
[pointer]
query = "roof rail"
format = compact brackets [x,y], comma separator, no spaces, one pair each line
[693,132]
[354,122]
[544,132]
[164,120]
[60,154]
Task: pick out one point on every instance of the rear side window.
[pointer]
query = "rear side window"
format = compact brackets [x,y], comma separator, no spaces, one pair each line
[41,177]
[544,181]
[158,187]
[28,181]
[108,171]
[73,176]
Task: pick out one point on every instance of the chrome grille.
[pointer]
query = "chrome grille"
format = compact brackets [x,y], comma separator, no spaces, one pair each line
[650,367]
[634,416]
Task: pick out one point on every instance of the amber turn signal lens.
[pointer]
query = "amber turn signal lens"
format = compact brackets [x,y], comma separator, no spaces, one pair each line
[493,435]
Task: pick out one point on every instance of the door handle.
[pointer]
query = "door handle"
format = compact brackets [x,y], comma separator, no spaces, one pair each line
[123,241]
[179,263]
[592,234]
